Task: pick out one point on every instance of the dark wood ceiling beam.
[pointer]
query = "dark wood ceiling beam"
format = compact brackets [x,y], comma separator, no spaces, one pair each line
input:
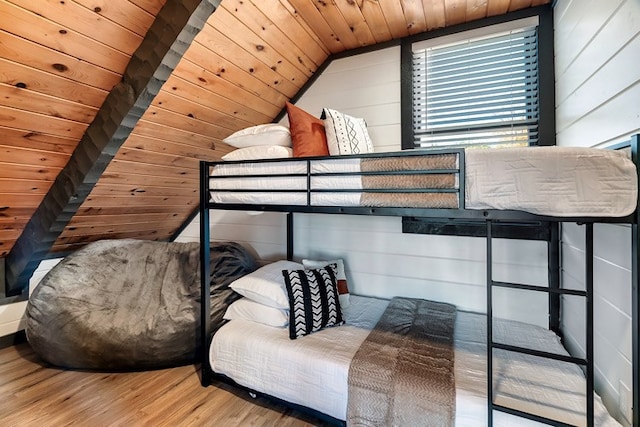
[173,30]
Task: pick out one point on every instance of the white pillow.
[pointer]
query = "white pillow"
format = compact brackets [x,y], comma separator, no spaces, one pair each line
[341,277]
[259,152]
[246,309]
[346,134]
[266,134]
[266,284]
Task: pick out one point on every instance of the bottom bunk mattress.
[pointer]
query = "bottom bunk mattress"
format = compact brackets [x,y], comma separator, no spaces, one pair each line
[313,370]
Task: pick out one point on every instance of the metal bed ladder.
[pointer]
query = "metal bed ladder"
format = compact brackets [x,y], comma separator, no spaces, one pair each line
[586,362]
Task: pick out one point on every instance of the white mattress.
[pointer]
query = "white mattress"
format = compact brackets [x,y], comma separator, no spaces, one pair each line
[559,181]
[312,371]
[556,181]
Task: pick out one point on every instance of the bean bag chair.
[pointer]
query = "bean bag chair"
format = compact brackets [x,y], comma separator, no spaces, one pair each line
[129,304]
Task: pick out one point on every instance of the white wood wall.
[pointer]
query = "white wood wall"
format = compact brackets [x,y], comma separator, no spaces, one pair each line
[597,63]
[12,316]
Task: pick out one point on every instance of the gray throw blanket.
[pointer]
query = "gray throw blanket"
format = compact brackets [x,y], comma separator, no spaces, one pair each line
[403,373]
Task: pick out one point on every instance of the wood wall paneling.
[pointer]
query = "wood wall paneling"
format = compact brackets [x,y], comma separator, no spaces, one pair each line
[476,10]
[170,147]
[394,16]
[519,4]
[236,97]
[211,64]
[259,20]
[305,11]
[373,15]
[23,186]
[23,76]
[415,17]
[229,106]
[124,13]
[497,7]
[41,123]
[227,23]
[27,139]
[30,26]
[151,6]
[28,100]
[83,20]
[42,58]
[187,123]
[32,157]
[112,176]
[337,24]
[361,29]
[22,171]
[118,166]
[296,30]
[226,47]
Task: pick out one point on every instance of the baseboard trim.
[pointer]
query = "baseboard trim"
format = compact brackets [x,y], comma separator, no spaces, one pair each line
[13,339]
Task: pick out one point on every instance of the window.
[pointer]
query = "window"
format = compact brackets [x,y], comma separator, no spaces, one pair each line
[480,87]
[489,84]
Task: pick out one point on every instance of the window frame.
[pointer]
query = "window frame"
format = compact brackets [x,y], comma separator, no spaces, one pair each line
[546,76]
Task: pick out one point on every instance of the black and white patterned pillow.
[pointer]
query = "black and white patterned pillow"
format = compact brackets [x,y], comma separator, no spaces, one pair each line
[313,300]
[345,134]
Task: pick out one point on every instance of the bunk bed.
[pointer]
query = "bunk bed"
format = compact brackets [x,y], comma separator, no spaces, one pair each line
[502,189]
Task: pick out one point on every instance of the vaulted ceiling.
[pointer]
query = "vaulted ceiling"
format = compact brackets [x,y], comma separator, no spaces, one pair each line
[73,72]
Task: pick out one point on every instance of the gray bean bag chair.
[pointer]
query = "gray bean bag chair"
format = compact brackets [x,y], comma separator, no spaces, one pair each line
[129,304]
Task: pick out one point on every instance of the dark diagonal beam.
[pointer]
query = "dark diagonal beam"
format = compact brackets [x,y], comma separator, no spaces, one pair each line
[167,40]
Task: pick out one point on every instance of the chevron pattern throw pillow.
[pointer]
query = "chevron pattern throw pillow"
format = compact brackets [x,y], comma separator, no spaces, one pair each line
[313,300]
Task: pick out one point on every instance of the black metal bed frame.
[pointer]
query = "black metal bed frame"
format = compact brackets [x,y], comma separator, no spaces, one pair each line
[493,219]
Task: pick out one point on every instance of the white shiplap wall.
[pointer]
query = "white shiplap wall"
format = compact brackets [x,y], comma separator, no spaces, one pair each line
[12,316]
[597,59]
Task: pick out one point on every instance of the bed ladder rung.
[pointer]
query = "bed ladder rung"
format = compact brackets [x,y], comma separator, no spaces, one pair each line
[538,353]
[562,291]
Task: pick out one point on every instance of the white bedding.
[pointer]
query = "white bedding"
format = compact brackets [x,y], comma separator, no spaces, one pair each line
[312,371]
[556,181]
[559,181]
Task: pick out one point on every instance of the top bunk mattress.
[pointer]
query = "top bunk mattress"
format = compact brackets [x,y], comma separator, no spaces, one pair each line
[557,181]
[552,181]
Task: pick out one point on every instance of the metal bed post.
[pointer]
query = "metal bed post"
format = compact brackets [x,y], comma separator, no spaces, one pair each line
[635,323]
[205,273]
[589,319]
[553,263]
[289,236]
[635,298]
[489,325]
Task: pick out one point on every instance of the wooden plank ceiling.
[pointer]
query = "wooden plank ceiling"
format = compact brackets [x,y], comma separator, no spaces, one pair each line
[59,59]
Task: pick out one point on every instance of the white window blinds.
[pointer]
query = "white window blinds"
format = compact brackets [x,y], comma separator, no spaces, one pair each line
[481,91]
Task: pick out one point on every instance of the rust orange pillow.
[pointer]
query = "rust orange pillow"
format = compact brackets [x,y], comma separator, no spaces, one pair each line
[307,133]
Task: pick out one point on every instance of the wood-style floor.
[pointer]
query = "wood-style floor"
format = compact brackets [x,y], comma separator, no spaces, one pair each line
[33,394]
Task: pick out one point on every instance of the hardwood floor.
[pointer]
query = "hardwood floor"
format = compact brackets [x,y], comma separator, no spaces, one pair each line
[33,394]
